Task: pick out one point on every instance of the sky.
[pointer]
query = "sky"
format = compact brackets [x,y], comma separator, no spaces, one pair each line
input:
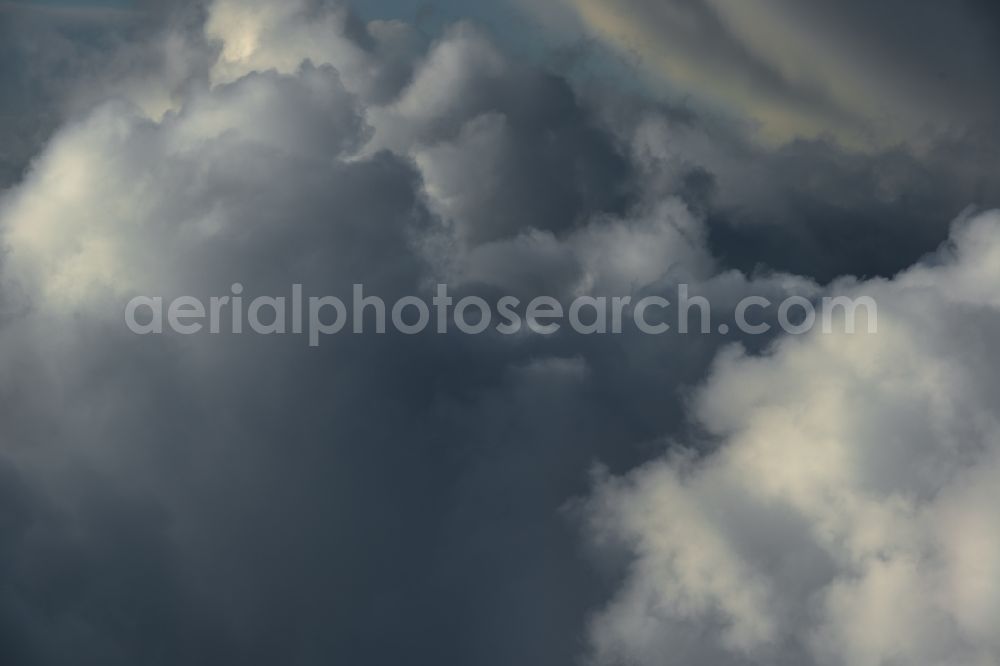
[814,499]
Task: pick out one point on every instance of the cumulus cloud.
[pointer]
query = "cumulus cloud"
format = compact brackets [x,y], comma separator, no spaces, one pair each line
[246,500]
[841,515]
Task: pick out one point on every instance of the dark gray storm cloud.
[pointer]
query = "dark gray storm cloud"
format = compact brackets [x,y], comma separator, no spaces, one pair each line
[813,209]
[59,60]
[243,500]
[432,499]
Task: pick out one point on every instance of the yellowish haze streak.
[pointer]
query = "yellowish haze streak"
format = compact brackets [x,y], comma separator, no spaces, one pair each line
[825,89]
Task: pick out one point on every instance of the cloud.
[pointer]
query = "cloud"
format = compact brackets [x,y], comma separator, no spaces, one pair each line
[248,500]
[243,499]
[809,207]
[59,62]
[840,517]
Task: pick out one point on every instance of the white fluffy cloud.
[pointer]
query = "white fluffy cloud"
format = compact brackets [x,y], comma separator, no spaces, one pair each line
[844,516]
